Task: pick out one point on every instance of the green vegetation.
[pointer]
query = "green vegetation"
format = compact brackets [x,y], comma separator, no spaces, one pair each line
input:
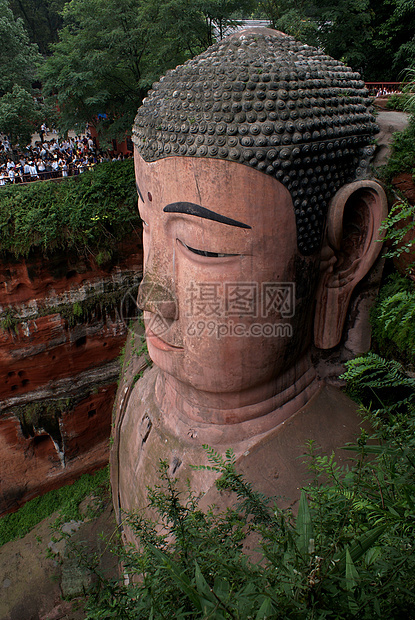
[100,57]
[409,89]
[347,554]
[374,37]
[9,320]
[380,384]
[111,51]
[402,158]
[396,102]
[87,214]
[42,20]
[19,59]
[65,501]
[107,58]
[400,222]
[393,320]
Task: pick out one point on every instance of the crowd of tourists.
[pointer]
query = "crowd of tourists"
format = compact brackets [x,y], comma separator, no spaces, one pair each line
[50,157]
[385,92]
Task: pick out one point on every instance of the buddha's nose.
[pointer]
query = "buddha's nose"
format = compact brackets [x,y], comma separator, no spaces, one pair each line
[157,297]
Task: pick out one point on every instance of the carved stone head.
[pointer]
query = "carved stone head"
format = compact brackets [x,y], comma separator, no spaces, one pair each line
[252,166]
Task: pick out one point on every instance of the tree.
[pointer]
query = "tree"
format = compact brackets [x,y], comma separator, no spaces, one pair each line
[292,18]
[111,51]
[18,65]
[375,37]
[18,58]
[20,114]
[219,14]
[344,29]
[42,20]
[393,47]
[339,27]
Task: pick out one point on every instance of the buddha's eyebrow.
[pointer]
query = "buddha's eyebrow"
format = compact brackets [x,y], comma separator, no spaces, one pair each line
[190,208]
[138,192]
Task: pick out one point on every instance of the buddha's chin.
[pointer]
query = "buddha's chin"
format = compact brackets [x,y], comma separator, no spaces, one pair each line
[216,384]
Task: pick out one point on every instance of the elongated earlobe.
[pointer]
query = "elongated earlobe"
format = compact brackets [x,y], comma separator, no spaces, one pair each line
[351,246]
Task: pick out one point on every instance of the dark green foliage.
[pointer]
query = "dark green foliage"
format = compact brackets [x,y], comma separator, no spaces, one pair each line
[391,46]
[20,114]
[18,57]
[9,320]
[65,500]
[89,213]
[42,20]
[111,51]
[347,554]
[380,384]
[374,37]
[393,319]
[19,60]
[397,102]
[402,157]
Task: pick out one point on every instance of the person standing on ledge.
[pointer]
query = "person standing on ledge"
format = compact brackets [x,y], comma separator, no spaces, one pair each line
[259,219]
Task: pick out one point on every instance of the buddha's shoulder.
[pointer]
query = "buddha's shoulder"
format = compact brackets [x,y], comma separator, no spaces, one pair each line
[277,465]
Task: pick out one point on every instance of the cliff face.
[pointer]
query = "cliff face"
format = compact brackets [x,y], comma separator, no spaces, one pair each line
[63,322]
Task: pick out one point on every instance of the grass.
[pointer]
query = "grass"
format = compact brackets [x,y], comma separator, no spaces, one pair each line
[66,500]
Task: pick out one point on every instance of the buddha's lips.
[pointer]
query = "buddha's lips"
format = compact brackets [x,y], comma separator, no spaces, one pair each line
[158,343]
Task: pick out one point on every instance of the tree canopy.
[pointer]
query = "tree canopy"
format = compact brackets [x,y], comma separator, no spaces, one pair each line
[111,51]
[42,19]
[393,48]
[375,37]
[19,59]
[101,56]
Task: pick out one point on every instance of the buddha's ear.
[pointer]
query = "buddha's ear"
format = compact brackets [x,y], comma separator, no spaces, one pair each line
[351,246]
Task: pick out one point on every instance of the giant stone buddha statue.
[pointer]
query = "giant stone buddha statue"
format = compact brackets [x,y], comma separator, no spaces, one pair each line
[259,220]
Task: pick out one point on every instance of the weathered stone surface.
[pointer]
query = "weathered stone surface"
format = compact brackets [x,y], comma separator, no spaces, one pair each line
[404,183]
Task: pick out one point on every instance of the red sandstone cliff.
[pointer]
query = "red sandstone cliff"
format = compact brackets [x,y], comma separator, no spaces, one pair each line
[62,327]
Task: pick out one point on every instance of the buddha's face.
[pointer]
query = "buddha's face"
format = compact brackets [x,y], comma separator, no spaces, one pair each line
[224,309]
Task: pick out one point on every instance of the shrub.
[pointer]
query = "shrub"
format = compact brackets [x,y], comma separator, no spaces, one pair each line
[399,229]
[89,213]
[393,319]
[347,554]
[402,157]
[397,102]
[380,384]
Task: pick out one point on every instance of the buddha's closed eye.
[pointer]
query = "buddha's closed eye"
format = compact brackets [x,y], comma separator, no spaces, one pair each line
[205,252]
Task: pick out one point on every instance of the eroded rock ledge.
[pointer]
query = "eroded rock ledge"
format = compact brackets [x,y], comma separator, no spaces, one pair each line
[63,322]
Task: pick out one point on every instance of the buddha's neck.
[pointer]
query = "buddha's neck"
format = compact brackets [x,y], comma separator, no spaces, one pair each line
[251,411]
